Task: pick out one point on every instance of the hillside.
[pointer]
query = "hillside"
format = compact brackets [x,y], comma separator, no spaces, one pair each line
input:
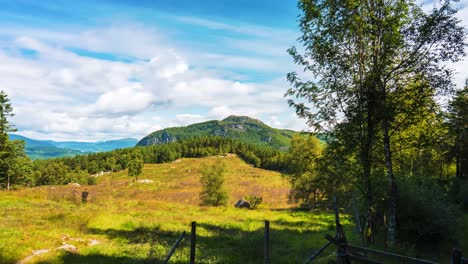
[128,222]
[38,149]
[242,128]
[45,149]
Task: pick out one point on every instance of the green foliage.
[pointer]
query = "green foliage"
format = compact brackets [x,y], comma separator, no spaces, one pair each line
[241,128]
[424,213]
[457,120]
[378,67]
[212,180]
[254,201]
[15,167]
[135,165]
[459,192]
[302,165]
[51,173]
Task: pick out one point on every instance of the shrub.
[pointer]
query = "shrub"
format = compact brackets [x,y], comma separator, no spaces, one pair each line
[459,192]
[424,212]
[254,201]
[212,180]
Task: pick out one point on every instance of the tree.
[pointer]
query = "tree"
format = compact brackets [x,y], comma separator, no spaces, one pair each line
[305,181]
[135,165]
[14,165]
[458,126]
[51,173]
[212,180]
[6,111]
[367,56]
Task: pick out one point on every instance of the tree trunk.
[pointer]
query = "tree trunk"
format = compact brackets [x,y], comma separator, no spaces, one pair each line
[8,182]
[393,192]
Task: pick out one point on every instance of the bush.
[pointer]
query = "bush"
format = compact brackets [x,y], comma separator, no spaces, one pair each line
[212,180]
[254,201]
[459,192]
[424,212]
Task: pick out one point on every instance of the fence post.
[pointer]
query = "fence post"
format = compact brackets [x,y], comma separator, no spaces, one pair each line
[456,257]
[266,250]
[193,235]
[341,257]
[169,255]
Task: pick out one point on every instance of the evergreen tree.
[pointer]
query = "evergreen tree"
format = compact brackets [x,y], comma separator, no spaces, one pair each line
[14,165]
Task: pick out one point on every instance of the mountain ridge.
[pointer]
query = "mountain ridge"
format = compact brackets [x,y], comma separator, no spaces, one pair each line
[243,128]
[44,149]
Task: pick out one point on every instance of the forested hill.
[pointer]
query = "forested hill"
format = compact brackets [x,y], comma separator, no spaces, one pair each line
[242,128]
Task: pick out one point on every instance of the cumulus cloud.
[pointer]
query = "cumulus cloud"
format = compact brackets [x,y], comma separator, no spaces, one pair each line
[127,80]
[60,92]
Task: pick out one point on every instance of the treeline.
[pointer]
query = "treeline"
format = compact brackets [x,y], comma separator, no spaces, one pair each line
[80,169]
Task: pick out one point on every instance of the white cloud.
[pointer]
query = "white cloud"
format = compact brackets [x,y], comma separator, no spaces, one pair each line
[139,81]
[60,94]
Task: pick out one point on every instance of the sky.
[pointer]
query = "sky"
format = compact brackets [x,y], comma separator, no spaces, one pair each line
[98,70]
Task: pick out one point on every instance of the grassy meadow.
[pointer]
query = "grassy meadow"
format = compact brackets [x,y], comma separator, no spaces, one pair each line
[130,222]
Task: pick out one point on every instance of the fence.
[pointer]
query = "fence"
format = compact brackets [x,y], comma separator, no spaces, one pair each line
[193,235]
[345,252]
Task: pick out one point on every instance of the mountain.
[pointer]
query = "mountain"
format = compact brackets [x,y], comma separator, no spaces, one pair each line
[45,149]
[242,128]
[99,146]
[32,143]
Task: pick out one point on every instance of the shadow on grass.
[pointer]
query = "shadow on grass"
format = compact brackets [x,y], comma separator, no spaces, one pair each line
[215,244]
[71,258]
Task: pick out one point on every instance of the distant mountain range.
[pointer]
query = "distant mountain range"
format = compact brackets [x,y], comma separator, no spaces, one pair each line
[242,128]
[43,149]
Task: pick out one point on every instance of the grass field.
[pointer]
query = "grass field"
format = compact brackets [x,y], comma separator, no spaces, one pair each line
[128,222]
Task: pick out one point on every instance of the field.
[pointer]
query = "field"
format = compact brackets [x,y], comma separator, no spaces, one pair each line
[132,222]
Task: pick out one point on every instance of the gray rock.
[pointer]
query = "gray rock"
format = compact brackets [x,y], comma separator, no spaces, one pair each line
[242,204]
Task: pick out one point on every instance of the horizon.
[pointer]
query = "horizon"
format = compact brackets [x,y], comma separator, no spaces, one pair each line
[84,71]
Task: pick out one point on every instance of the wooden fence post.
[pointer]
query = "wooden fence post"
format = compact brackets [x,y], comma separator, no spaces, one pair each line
[266,249]
[193,235]
[341,257]
[456,257]
[169,255]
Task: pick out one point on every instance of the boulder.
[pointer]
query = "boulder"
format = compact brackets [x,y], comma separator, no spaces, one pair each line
[242,204]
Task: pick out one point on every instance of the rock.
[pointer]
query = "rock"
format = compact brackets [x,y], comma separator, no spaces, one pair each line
[93,242]
[145,181]
[74,184]
[35,253]
[242,204]
[68,248]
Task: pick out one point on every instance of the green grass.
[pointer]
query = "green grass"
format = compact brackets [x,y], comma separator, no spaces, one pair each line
[138,223]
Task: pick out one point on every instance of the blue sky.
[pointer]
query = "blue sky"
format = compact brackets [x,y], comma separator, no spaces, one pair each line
[94,70]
